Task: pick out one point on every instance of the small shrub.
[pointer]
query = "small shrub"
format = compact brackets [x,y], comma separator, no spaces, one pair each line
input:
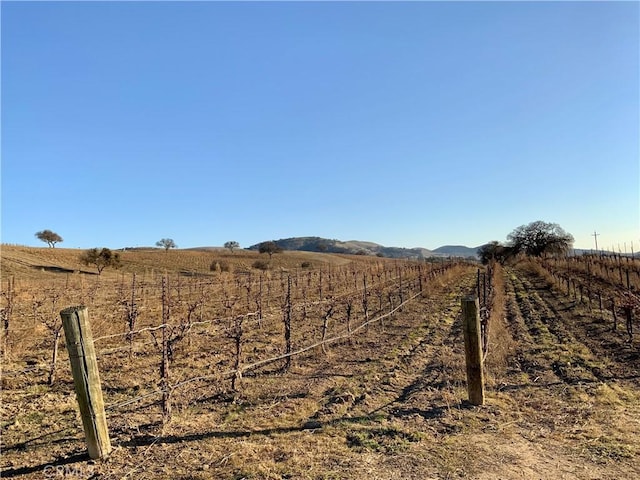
[220,266]
[261,265]
[305,264]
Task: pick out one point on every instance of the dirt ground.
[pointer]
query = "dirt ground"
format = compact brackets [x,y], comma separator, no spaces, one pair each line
[562,402]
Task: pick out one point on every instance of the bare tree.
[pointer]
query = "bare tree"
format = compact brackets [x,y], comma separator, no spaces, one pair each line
[49,237]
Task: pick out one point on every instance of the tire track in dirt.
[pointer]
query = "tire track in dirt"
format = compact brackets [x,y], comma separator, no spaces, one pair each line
[581,356]
[420,379]
[555,405]
[554,353]
[399,382]
[563,392]
[594,329]
[439,341]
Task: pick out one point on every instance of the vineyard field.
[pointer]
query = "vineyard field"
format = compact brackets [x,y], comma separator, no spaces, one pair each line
[346,367]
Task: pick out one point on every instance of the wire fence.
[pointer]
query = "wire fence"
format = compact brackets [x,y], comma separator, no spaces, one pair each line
[215,316]
[260,363]
[606,283]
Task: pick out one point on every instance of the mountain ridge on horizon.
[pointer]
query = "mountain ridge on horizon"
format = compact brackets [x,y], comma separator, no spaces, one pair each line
[359,247]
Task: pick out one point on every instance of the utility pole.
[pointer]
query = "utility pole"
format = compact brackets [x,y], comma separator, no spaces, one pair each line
[595,235]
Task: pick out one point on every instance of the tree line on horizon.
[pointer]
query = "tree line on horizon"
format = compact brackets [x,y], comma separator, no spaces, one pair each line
[534,239]
[102,258]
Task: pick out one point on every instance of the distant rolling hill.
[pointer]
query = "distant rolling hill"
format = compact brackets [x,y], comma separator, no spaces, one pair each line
[356,247]
[457,251]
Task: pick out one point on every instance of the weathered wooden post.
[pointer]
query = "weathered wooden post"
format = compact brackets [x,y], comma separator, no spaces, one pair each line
[286,311]
[628,282]
[86,379]
[473,349]
[164,364]
[600,302]
[581,289]
[628,310]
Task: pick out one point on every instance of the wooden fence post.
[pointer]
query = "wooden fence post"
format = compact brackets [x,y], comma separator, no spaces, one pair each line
[86,379]
[473,349]
[287,325]
[628,310]
[600,302]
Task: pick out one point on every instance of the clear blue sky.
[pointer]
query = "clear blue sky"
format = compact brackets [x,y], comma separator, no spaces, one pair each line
[406,124]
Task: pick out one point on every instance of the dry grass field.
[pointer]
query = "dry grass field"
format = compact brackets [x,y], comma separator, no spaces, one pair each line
[388,402]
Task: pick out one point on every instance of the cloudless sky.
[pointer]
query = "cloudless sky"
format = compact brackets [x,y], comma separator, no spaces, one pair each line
[403,123]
